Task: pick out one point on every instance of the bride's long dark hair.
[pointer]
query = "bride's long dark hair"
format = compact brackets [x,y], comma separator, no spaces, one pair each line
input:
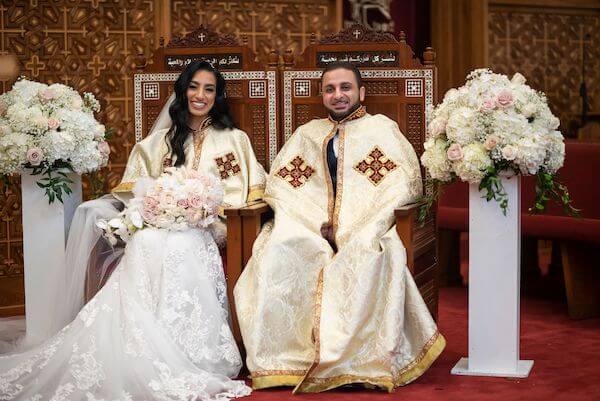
[221,118]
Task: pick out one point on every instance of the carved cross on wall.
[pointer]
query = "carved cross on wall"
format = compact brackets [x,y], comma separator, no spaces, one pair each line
[227,165]
[356,33]
[375,166]
[297,174]
[201,36]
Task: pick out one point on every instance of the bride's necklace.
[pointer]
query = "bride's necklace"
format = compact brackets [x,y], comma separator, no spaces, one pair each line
[198,135]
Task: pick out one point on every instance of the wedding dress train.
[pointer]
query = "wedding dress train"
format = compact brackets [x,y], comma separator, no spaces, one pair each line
[158,330]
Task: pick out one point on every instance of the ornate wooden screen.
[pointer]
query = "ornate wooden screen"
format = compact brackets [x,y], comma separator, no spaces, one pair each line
[251,87]
[397,85]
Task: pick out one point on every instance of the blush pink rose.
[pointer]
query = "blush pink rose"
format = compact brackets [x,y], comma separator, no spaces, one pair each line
[454,152]
[195,201]
[488,105]
[149,215]
[183,203]
[47,95]
[104,148]
[438,126]
[150,203]
[490,142]
[35,156]
[505,99]
[53,123]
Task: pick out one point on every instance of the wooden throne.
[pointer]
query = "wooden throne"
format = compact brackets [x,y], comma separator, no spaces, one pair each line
[399,86]
[252,93]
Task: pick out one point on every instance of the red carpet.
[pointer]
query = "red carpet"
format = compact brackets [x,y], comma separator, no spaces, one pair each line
[566,354]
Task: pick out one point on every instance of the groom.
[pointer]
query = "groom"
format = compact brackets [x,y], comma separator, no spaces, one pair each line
[327,299]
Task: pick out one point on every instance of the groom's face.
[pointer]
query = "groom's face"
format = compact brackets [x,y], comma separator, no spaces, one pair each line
[341,93]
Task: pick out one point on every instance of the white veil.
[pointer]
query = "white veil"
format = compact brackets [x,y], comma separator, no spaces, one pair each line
[88,253]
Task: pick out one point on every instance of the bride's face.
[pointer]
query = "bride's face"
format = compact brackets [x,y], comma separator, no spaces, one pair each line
[201,93]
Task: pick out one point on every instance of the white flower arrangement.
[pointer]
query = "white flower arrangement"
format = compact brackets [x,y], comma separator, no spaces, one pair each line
[49,129]
[179,199]
[494,124]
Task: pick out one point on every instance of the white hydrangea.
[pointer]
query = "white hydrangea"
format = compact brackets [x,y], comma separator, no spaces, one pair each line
[13,148]
[463,126]
[474,163]
[555,155]
[530,152]
[435,160]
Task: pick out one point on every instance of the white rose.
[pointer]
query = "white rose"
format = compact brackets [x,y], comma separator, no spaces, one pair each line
[529,110]
[509,152]
[518,79]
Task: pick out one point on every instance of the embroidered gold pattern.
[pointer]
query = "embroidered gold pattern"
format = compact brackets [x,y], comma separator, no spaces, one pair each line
[375,166]
[228,165]
[297,174]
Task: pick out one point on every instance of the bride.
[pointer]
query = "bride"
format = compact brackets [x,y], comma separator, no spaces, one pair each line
[159,327]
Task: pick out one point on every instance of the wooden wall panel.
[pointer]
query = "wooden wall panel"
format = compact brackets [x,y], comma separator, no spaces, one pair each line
[91,46]
[277,24]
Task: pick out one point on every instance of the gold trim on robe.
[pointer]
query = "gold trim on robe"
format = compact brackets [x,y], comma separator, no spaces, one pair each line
[353,315]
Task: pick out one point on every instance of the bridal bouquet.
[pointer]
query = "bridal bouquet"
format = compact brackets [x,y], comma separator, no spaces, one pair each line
[492,125]
[179,199]
[50,130]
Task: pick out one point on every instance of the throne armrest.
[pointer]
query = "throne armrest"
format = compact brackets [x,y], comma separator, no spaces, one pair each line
[418,239]
[243,226]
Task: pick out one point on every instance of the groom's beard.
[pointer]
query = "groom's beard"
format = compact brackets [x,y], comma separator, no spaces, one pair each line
[340,116]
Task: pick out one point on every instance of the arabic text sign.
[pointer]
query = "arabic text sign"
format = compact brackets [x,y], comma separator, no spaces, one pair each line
[370,58]
[219,61]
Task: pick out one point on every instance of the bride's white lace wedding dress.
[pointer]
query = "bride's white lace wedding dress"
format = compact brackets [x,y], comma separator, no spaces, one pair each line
[158,330]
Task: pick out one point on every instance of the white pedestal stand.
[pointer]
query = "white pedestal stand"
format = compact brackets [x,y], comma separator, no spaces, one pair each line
[494,284]
[45,230]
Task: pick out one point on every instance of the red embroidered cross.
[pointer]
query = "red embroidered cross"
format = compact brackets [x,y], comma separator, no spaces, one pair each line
[298,175]
[375,166]
[227,165]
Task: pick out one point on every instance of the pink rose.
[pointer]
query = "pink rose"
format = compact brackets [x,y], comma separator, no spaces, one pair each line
[35,156]
[53,123]
[149,215]
[47,95]
[104,148]
[195,201]
[505,99]
[183,203]
[454,152]
[150,203]
[509,152]
[490,142]
[488,105]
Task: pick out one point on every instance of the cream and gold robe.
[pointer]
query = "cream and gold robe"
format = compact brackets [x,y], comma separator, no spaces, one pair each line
[316,319]
[227,154]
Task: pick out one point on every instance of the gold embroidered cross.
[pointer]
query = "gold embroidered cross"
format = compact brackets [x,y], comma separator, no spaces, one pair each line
[227,165]
[298,175]
[375,166]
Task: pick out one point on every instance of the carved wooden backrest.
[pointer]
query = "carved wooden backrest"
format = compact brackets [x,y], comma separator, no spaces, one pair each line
[251,87]
[397,84]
